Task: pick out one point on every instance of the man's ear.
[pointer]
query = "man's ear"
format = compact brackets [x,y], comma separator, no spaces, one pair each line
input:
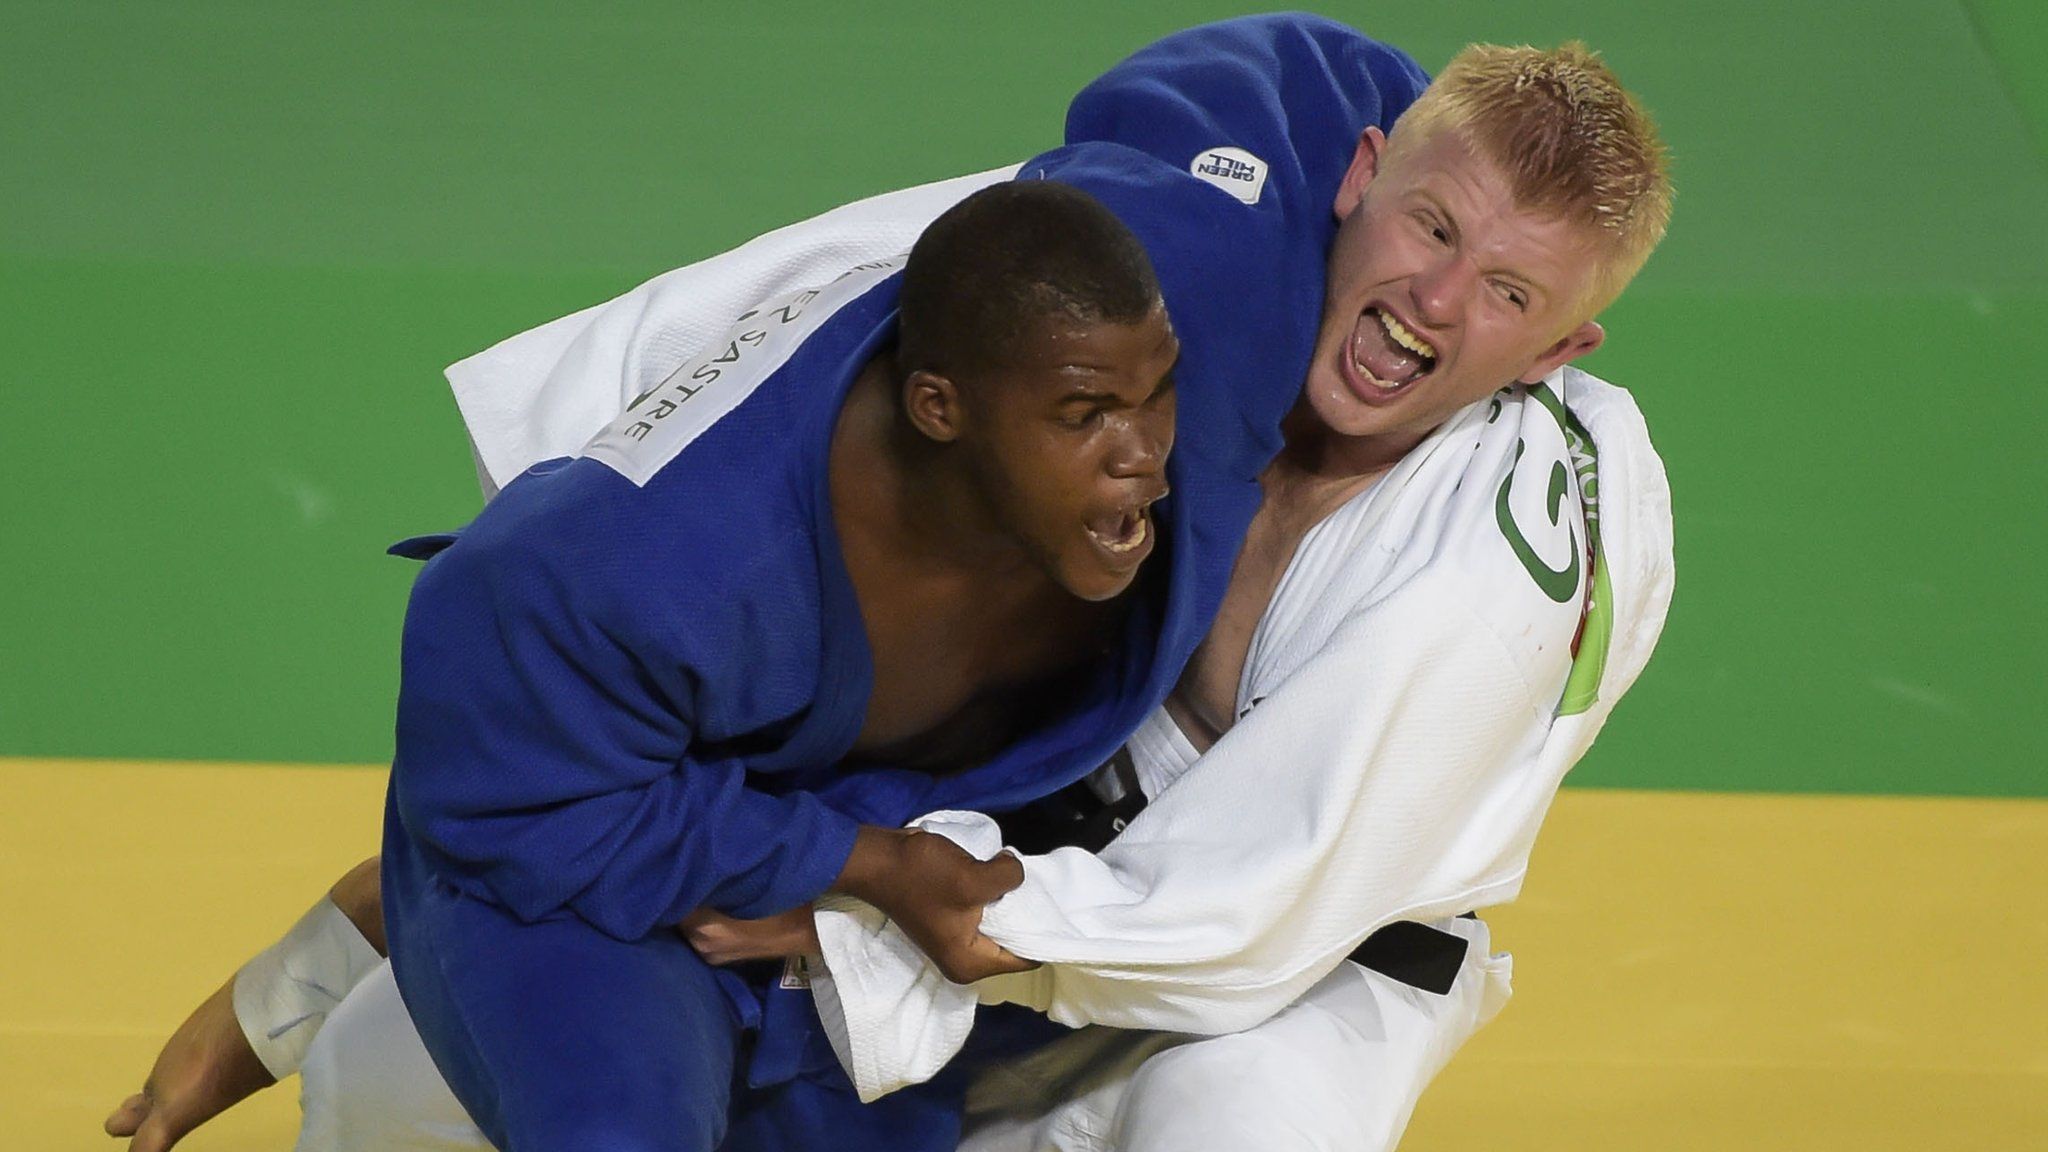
[933,404]
[1365,164]
[1569,347]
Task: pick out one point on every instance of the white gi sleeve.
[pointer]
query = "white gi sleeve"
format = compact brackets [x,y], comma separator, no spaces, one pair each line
[1373,786]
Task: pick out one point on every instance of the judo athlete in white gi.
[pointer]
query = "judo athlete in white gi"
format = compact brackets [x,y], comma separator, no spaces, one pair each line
[1448,587]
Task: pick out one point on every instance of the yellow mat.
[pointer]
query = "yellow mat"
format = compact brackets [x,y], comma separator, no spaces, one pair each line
[1692,971]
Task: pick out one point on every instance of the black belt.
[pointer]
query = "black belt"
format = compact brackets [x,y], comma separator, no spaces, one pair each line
[1075,817]
[1415,954]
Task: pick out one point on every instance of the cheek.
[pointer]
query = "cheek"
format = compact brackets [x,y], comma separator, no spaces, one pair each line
[1382,250]
[1349,256]
[1488,359]
[1513,346]
[1052,478]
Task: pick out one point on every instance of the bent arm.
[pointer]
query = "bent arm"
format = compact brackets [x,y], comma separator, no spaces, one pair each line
[1387,779]
[545,756]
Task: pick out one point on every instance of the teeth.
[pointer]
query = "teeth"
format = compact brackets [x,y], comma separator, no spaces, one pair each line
[1365,370]
[1137,538]
[1402,336]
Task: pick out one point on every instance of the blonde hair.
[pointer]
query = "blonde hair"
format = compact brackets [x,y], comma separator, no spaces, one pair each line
[1572,142]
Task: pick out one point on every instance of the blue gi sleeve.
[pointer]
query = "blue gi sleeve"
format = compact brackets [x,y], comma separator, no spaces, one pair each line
[545,755]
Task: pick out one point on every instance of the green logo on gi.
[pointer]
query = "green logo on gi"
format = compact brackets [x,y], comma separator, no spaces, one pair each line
[1556,583]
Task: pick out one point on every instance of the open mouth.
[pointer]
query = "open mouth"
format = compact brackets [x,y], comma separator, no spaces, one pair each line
[1387,354]
[1124,533]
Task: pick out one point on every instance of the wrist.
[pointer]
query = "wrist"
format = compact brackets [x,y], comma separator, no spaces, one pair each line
[873,866]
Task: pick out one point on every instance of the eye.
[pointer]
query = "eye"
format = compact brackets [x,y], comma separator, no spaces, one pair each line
[1085,417]
[1516,298]
[1434,227]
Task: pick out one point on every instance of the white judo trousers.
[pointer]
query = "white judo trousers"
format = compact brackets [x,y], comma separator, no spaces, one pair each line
[1409,705]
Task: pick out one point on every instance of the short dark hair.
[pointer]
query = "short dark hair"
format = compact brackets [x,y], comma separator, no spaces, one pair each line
[984,276]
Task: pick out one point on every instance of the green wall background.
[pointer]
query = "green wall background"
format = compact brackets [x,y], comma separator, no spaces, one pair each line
[238,241]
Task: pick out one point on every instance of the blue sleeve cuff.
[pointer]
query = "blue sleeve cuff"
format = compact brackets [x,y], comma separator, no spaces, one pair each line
[822,841]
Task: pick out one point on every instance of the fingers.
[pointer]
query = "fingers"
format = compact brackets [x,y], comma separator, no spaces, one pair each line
[124,1120]
[703,917]
[1006,962]
[714,942]
[707,932]
[978,959]
[155,1135]
[721,940]
[952,870]
[139,1117]
[1002,874]
[935,891]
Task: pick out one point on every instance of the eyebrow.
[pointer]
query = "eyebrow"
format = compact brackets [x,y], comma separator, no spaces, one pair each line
[1442,209]
[1092,395]
[1085,394]
[1524,280]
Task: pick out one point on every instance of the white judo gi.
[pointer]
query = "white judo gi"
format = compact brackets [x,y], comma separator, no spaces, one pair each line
[1409,704]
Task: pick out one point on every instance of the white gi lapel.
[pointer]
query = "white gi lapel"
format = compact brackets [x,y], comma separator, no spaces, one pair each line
[1363,548]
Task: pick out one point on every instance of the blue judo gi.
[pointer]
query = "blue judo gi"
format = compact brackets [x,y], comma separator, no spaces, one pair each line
[627,686]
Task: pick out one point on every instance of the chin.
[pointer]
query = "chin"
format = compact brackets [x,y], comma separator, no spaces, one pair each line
[1095,585]
[1098,590]
[1337,410]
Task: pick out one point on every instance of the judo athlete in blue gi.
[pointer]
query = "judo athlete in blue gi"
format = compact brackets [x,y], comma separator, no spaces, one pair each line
[834,539]
[654,679]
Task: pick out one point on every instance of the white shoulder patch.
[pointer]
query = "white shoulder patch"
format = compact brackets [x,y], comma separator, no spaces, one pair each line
[663,421]
[1234,170]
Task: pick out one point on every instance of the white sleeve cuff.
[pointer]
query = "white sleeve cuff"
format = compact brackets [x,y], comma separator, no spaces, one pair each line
[283,996]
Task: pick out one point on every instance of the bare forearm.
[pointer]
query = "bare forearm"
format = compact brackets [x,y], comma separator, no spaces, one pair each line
[360,896]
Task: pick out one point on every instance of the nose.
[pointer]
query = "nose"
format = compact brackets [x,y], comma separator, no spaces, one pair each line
[1141,451]
[1441,290]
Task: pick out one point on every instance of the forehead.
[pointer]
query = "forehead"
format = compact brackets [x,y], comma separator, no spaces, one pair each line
[1061,346]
